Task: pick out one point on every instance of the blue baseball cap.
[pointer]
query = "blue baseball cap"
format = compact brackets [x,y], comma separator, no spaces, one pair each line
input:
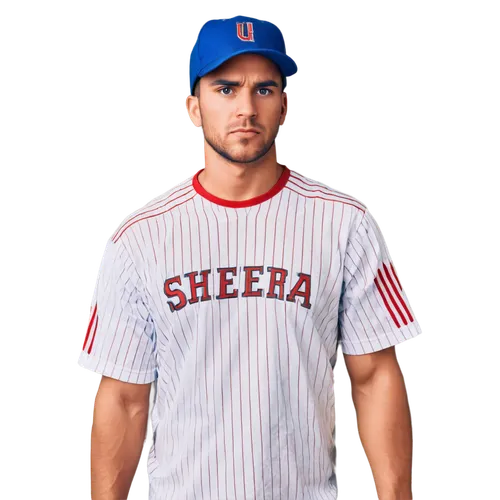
[221,39]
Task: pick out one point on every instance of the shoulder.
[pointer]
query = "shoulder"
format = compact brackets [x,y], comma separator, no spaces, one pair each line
[312,188]
[154,207]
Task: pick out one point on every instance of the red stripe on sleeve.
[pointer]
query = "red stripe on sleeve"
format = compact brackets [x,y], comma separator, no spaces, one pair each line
[397,293]
[90,325]
[393,300]
[395,275]
[386,303]
[93,335]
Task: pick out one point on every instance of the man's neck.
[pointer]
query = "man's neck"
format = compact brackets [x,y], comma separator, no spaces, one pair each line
[239,182]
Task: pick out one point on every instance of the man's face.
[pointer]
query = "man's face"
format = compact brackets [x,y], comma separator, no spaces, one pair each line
[244,92]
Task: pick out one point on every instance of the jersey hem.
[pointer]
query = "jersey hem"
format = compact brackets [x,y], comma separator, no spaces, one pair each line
[115,371]
[367,346]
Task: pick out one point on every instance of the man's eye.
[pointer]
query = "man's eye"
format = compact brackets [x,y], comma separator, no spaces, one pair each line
[223,88]
[267,90]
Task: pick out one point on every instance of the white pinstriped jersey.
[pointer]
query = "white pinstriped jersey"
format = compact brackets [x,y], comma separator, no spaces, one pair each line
[235,310]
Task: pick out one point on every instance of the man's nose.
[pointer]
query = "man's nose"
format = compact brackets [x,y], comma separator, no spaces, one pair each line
[246,105]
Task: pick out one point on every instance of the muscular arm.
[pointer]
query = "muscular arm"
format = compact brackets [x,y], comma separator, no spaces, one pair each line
[384,421]
[118,434]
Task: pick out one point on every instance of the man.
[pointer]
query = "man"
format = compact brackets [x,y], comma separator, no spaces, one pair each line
[230,292]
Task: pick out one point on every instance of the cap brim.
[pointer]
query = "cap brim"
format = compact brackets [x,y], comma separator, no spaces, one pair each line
[285,63]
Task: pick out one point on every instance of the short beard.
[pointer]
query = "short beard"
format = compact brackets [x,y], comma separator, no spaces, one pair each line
[217,146]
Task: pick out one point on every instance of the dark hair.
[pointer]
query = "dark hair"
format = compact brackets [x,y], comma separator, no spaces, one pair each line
[196,91]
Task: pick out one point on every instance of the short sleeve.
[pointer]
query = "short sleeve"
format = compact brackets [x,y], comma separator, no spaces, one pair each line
[374,312]
[120,338]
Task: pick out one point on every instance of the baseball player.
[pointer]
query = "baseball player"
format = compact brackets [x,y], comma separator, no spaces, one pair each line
[230,294]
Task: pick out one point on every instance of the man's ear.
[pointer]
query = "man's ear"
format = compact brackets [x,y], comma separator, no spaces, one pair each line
[193,108]
[284,107]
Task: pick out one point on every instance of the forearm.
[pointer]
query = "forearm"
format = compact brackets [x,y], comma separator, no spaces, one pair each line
[384,425]
[118,434]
